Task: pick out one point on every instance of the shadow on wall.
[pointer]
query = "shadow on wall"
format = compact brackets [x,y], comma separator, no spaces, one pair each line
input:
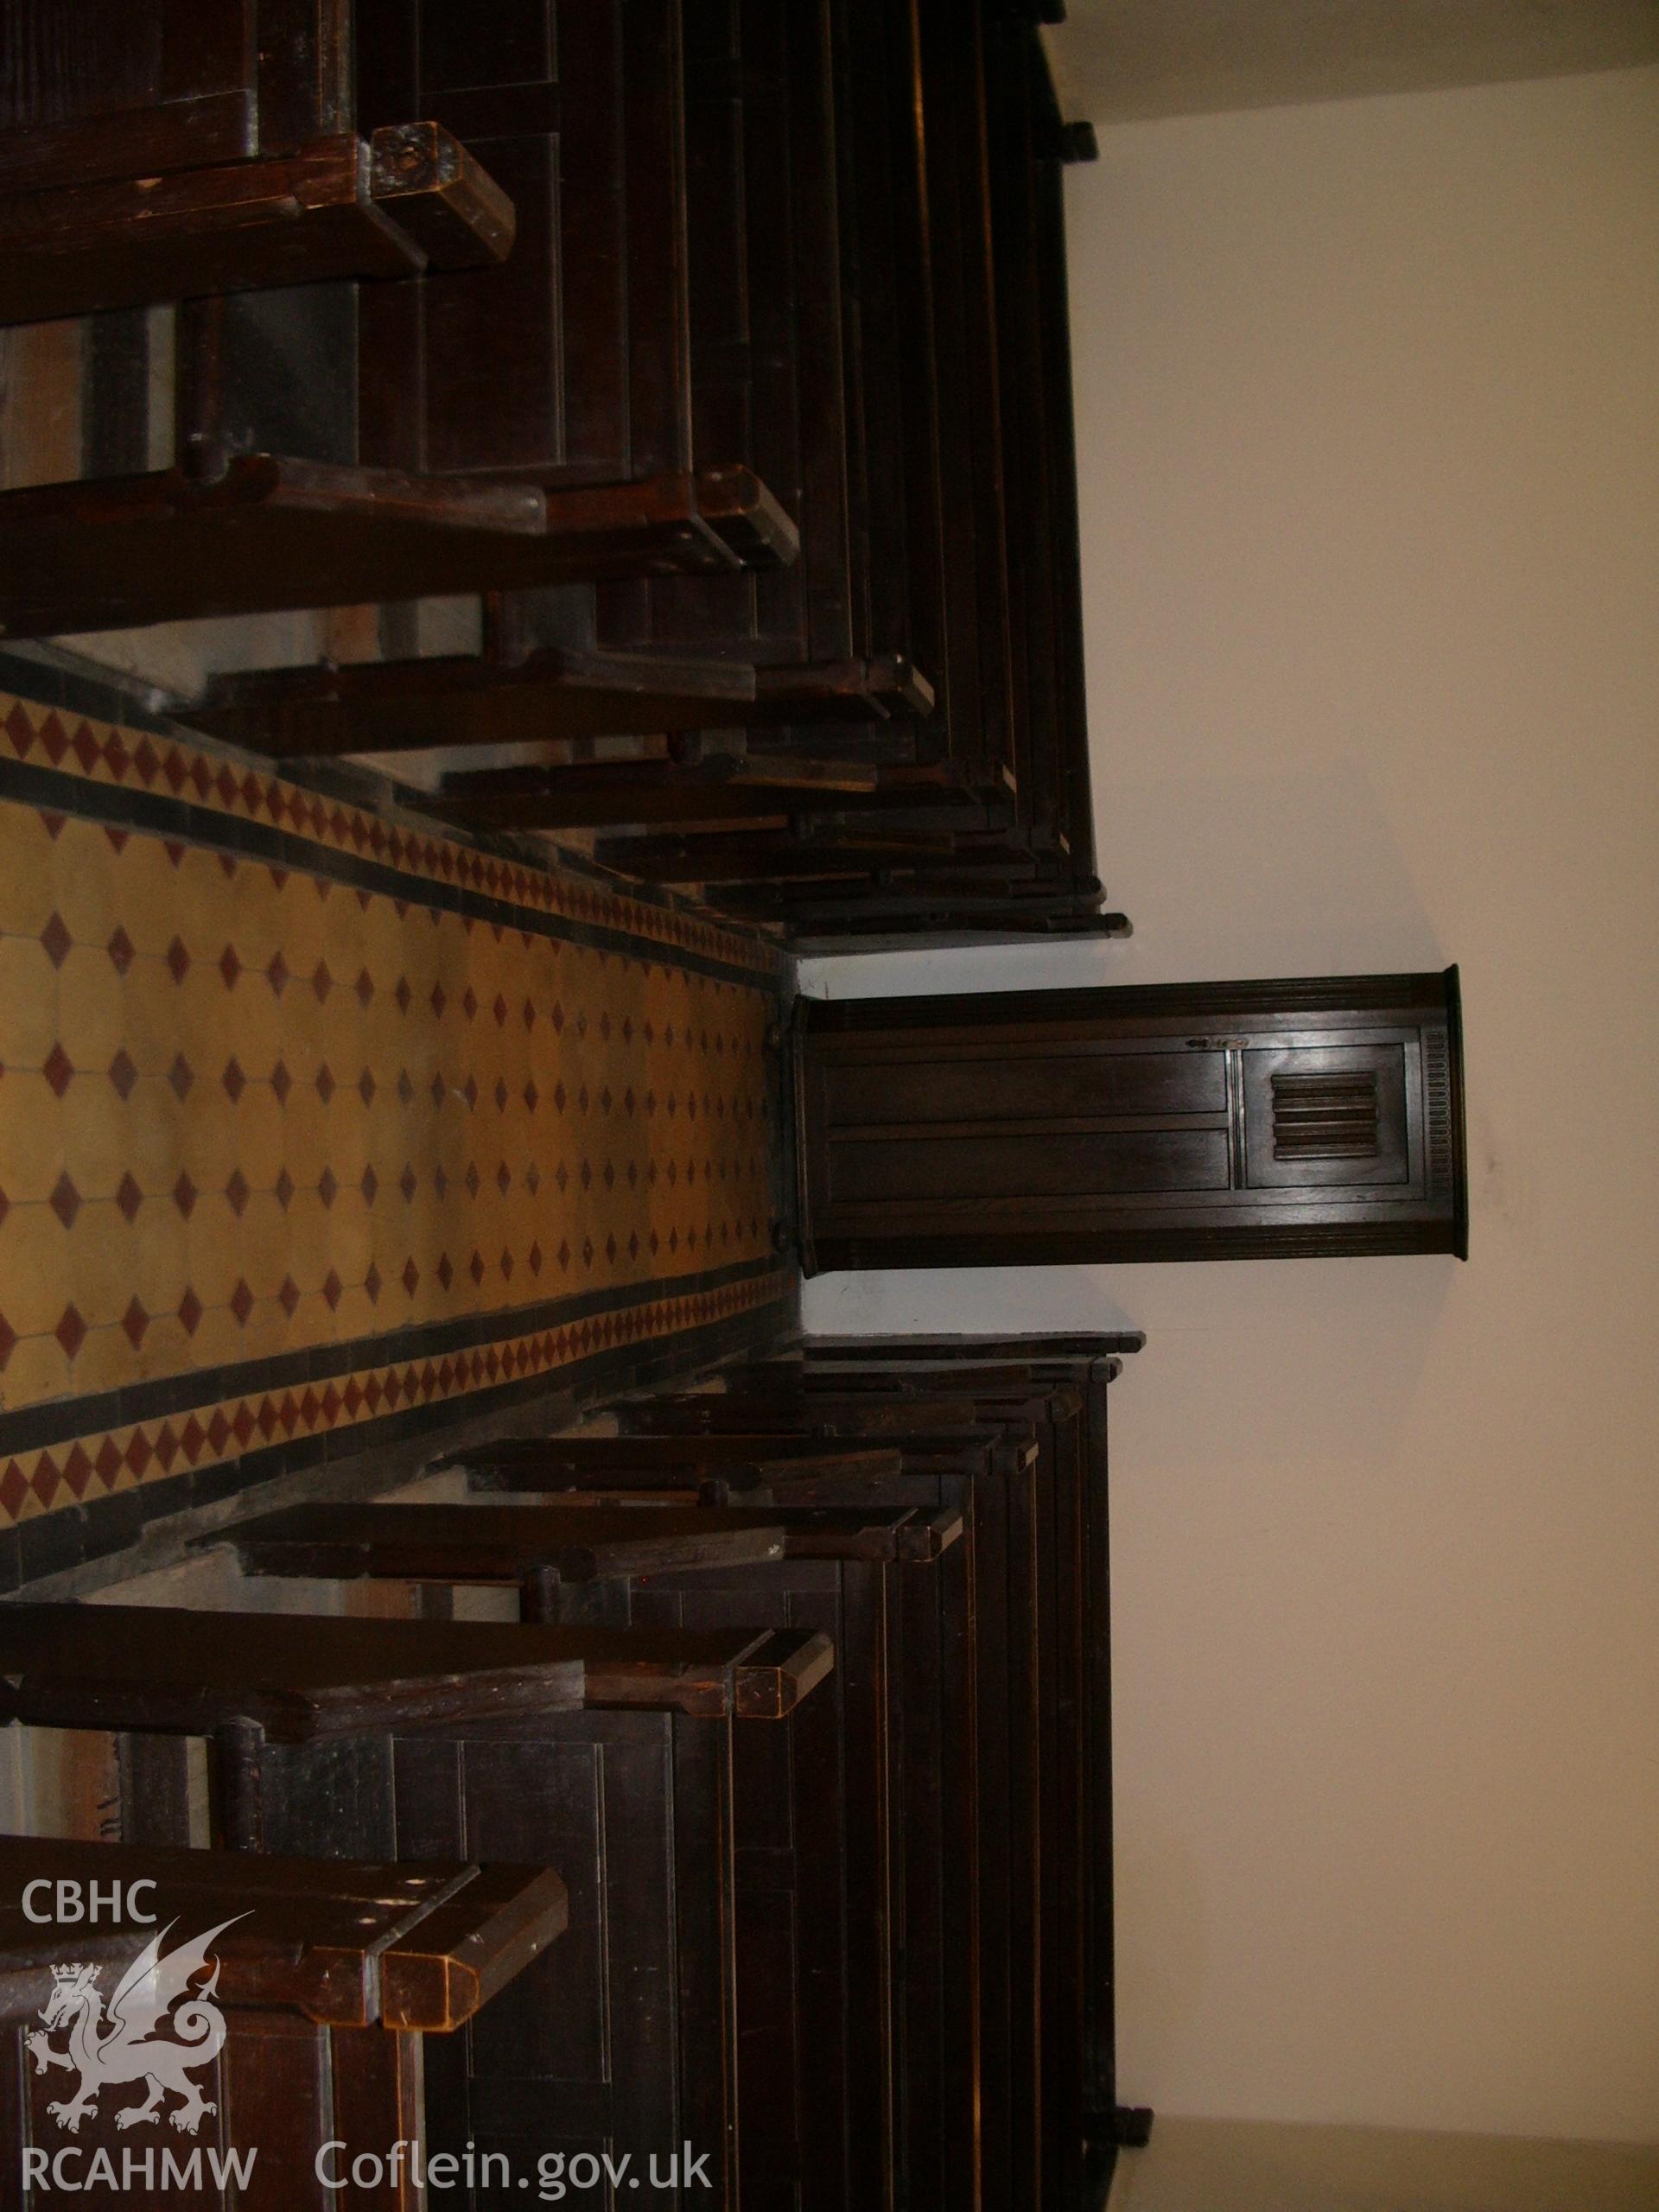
[1271,1434]
[1221,1339]
[1299,873]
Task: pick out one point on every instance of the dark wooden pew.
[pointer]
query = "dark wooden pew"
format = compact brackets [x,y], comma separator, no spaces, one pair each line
[1050,1411]
[810,307]
[996,1838]
[328,1977]
[538,1550]
[1050,1393]
[857,1414]
[198,146]
[992,538]
[286,1679]
[985,1869]
[520,426]
[628,2035]
[513,1545]
[787,281]
[857,1980]
[1086,1363]
[1071,1855]
[864,310]
[819,1834]
[774,381]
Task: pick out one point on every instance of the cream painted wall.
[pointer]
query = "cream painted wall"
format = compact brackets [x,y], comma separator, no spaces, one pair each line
[1369,413]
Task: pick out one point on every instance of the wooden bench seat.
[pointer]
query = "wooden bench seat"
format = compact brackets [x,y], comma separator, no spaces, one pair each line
[512,1544]
[234,532]
[300,1678]
[563,373]
[830,1416]
[201,146]
[821,1810]
[625,2041]
[328,1977]
[538,1550]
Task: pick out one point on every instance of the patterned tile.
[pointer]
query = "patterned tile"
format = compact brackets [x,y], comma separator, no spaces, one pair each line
[84,1468]
[249,1109]
[105,755]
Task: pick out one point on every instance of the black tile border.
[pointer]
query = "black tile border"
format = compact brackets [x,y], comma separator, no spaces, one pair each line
[67,1538]
[47,683]
[59,1420]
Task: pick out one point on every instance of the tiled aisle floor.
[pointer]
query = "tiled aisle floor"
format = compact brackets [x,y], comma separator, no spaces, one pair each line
[306,1117]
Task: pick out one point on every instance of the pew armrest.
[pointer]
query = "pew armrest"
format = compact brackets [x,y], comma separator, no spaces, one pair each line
[435,191]
[442,1970]
[774,1677]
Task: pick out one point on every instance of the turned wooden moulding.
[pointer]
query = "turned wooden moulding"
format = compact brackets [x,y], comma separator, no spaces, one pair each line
[1183,1121]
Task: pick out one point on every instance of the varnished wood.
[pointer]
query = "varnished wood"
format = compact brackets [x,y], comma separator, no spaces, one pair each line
[328,1978]
[496,1544]
[820,845]
[459,700]
[308,1934]
[338,208]
[707,1471]
[257,530]
[1043,1715]
[713,1413]
[814,256]
[868,1354]
[441,196]
[159,1666]
[300,1678]
[654,1455]
[1086,1365]
[969,2091]
[1314,1116]
[821,1884]
[199,149]
[726,787]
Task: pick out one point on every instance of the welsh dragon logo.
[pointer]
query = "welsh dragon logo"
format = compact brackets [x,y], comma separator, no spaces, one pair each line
[123,2046]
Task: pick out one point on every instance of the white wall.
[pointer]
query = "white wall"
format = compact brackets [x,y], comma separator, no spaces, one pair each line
[1369,414]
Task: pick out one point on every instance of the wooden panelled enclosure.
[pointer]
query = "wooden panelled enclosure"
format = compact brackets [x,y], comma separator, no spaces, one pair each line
[814,1831]
[611,1754]
[1216,1121]
[824,1769]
